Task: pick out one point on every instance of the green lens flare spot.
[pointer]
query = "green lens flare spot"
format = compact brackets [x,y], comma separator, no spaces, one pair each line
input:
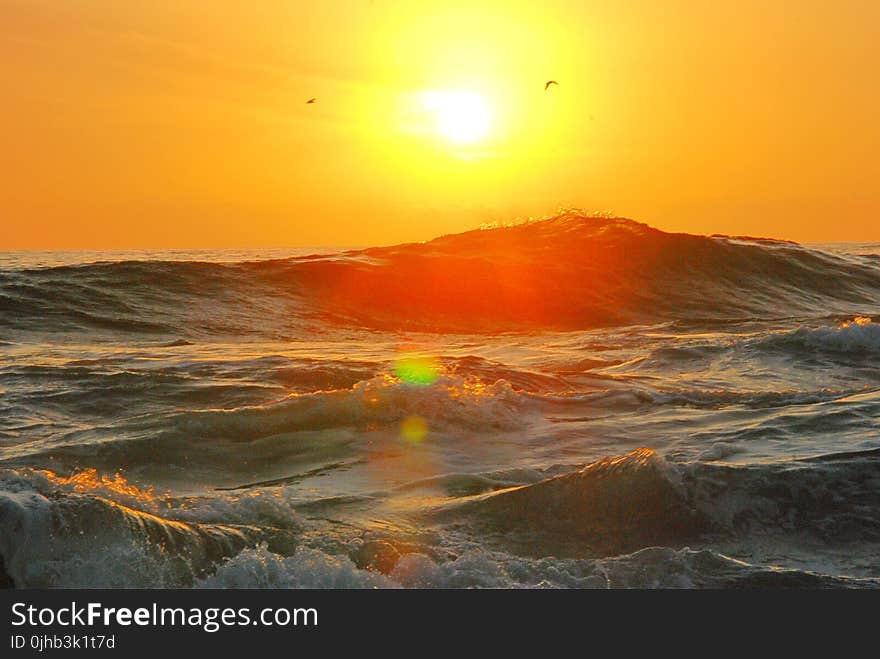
[418,370]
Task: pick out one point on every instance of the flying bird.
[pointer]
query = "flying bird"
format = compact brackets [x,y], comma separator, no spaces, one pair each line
[548,83]
[311,100]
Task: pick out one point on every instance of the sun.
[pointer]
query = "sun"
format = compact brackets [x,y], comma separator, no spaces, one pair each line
[461,117]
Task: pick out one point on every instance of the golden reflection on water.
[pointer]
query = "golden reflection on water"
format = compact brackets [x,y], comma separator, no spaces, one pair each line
[858,321]
[88,480]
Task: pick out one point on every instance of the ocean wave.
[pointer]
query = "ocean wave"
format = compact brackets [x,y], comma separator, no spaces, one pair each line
[171,301]
[636,520]
[567,272]
[449,401]
[622,504]
[833,497]
[63,531]
[655,567]
[859,336]
[298,428]
[612,506]
[628,398]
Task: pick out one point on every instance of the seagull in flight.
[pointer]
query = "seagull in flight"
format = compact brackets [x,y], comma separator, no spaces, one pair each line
[548,83]
[311,100]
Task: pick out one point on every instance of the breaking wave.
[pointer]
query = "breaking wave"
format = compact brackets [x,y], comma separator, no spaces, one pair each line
[636,520]
[858,336]
[301,427]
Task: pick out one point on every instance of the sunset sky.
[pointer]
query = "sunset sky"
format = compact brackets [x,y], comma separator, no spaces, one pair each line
[136,123]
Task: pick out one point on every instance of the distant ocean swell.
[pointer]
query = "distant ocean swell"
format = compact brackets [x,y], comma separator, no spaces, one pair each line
[568,273]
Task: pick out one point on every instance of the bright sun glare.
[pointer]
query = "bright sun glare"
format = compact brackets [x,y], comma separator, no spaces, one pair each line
[461,116]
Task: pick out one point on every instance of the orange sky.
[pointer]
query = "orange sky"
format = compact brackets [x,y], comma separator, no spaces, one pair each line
[184,124]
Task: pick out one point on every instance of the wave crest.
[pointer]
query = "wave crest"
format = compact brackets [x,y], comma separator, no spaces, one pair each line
[567,272]
[856,336]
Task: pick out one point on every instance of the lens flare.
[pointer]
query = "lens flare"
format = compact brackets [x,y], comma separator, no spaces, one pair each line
[413,429]
[417,370]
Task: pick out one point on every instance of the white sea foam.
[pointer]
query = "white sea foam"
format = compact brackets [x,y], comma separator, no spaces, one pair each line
[653,567]
[857,336]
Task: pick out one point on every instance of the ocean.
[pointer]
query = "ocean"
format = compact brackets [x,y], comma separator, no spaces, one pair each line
[578,402]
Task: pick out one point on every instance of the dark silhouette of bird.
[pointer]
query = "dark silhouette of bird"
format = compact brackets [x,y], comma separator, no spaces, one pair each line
[311,100]
[548,83]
